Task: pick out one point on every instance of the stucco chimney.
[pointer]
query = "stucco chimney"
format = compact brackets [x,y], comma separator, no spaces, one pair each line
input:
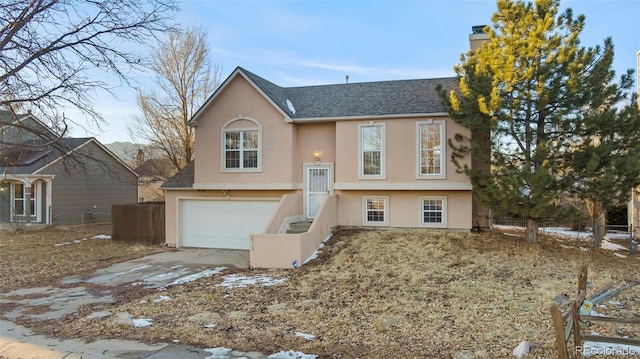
[477,36]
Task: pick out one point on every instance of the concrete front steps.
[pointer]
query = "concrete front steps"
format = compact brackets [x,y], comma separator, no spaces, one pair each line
[299,227]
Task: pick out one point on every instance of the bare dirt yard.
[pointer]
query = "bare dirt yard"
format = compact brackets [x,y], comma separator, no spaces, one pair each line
[369,294]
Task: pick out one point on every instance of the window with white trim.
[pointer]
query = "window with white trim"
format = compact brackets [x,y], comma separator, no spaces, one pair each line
[372,150]
[241,148]
[431,149]
[20,198]
[433,212]
[375,211]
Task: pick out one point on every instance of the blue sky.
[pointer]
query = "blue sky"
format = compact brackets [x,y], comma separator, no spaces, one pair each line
[312,42]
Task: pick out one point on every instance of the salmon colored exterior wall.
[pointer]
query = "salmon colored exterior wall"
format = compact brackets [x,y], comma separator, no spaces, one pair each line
[240,101]
[286,147]
[404,207]
[272,250]
[400,150]
[310,138]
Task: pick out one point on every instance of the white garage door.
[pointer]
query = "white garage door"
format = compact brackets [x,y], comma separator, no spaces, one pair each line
[223,224]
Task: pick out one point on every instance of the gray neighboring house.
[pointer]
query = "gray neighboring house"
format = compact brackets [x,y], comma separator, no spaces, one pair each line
[43,183]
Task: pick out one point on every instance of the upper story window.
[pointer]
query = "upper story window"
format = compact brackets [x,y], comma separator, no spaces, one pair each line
[241,144]
[372,151]
[431,149]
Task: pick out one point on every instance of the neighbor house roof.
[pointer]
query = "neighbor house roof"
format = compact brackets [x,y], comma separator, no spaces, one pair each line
[35,155]
[156,167]
[183,179]
[348,100]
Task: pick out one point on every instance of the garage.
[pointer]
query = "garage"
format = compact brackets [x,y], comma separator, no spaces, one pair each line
[223,223]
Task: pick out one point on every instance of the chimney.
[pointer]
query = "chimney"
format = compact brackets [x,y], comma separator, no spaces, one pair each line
[477,36]
[139,157]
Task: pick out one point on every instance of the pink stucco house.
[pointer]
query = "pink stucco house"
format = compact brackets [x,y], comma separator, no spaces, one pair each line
[353,154]
[270,159]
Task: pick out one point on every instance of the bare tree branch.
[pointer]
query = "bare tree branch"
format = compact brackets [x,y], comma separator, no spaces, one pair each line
[185,80]
[51,51]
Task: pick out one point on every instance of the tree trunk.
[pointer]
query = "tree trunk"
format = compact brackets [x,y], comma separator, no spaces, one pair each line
[532,230]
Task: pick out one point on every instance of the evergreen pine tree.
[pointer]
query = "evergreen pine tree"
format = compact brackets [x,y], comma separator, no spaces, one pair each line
[538,93]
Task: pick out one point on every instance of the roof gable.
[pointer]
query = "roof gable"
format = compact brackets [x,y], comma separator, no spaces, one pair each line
[264,84]
[348,100]
[19,128]
[37,155]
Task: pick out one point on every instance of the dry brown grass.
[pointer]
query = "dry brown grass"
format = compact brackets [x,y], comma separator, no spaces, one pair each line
[387,294]
[32,258]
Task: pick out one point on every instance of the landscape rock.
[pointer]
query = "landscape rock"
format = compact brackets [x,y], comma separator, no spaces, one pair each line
[99,315]
[120,319]
[204,318]
[464,354]
[239,314]
[277,307]
[523,349]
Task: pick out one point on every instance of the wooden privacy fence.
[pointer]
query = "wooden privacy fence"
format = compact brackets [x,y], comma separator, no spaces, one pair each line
[140,223]
[574,319]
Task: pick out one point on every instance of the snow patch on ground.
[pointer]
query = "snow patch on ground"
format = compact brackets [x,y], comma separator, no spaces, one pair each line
[613,246]
[568,234]
[218,353]
[162,298]
[139,268]
[142,322]
[196,276]
[76,241]
[241,281]
[292,355]
[305,336]
[317,252]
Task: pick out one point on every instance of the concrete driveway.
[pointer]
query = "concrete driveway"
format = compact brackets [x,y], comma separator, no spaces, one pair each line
[159,271]
[155,271]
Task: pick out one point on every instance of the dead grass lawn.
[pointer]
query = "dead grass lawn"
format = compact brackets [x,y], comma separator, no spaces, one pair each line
[387,294]
[36,257]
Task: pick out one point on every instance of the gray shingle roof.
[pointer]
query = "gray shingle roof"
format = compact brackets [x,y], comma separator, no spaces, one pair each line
[183,179]
[27,159]
[399,97]
[155,167]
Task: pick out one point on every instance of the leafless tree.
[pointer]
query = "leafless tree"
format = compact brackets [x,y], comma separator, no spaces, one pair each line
[185,79]
[53,53]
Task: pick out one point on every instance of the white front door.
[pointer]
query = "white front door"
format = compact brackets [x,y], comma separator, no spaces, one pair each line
[317,187]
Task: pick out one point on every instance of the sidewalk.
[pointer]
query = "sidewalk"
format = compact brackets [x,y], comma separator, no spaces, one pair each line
[19,342]
[154,271]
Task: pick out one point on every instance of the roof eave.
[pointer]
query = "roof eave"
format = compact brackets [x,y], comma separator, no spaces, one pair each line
[369,117]
[177,188]
[92,139]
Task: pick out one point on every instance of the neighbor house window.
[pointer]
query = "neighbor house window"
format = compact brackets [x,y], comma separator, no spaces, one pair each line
[375,211]
[372,151]
[20,199]
[431,149]
[433,212]
[241,146]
